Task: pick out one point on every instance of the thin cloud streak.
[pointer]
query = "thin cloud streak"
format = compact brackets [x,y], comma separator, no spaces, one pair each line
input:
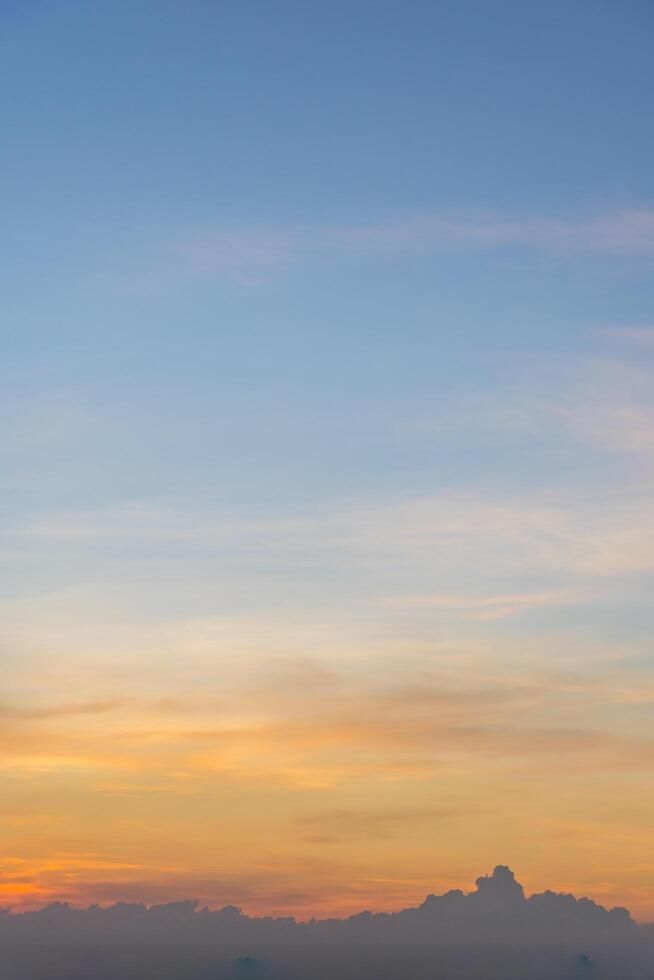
[579,534]
[323,734]
[246,252]
[640,335]
[482,607]
[57,710]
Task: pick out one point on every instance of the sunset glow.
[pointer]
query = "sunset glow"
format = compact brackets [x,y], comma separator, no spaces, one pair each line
[328,455]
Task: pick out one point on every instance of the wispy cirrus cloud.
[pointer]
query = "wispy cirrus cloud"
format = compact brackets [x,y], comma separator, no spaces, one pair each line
[598,404]
[640,335]
[55,711]
[248,253]
[628,231]
[449,537]
[334,825]
[484,607]
[384,721]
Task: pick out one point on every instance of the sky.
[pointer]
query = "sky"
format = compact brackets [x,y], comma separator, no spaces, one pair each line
[327,454]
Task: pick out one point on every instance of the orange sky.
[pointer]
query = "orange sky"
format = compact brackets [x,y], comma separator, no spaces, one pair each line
[319,786]
[326,451]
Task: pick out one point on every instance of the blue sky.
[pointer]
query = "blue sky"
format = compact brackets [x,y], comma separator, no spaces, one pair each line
[175,175]
[307,259]
[328,341]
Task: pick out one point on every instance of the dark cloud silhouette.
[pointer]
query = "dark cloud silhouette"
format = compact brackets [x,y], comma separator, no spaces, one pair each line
[491,933]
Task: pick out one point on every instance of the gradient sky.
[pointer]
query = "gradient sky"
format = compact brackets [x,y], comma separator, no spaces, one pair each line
[327,452]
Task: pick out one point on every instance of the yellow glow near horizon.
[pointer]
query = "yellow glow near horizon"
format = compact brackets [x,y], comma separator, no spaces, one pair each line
[307,789]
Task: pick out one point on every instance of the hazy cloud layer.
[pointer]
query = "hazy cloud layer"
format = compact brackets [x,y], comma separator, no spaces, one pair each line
[491,932]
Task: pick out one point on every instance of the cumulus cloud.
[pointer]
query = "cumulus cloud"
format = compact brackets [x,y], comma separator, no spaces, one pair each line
[491,933]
